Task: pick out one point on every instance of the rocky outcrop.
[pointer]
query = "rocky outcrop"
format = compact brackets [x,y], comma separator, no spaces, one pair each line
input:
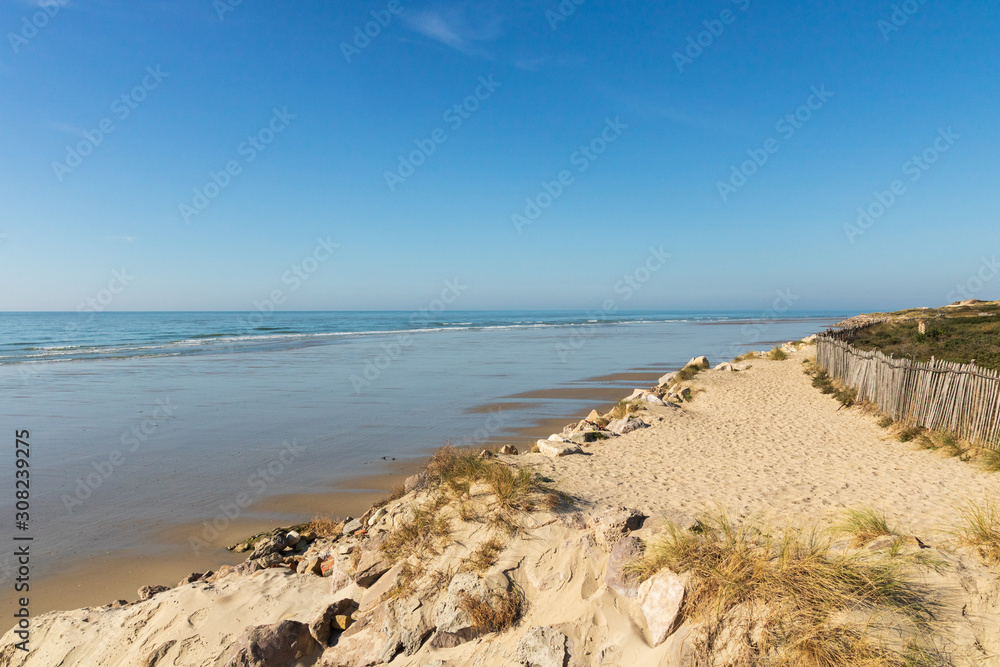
[282,644]
[542,646]
[453,623]
[660,598]
[626,425]
[699,362]
[147,592]
[613,524]
[616,577]
[335,619]
[556,449]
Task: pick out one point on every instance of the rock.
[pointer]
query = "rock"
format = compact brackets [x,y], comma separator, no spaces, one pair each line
[594,436]
[557,437]
[292,538]
[594,414]
[412,482]
[376,516]
[224,571]
[327,623]
[556,449]
[454,626]
[637,393]
[653,399]
[327,566]
[725,366]
[373,594]
[699,362]
[266,546]
[626,425]
[627,550]
[190,579]
[154,658]
[372,565]
[509,450]
[611,525]
[405,628]
[118,603]
[310,566]
[665,379]
[147,592]
[352,526]
[660,598]
[542,646]
[486,454]
[809,340]
[270,560]
[279,645]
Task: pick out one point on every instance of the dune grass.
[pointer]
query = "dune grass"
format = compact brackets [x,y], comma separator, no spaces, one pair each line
[418,534]
[798,585]
[497,613]
[981,530]
[864,524]
[777,354]
[624,408]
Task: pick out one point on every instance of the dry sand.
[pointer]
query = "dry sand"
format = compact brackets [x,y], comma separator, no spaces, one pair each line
[756,442]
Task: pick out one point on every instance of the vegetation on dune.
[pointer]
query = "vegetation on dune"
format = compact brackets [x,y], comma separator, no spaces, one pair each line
[800,590]
[777,354]
[864,524]
[955,339]
[981,530]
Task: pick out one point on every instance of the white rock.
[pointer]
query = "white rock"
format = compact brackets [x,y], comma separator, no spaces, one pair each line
[698,362]
[665,379]
[379,513]
[660,598]
[725,366]
[292,538]
[556,437]
[635,394]
[541,647]
[653,399]
[554,450]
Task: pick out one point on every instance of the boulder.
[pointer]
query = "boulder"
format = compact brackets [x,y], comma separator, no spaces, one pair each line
[373,564]
[542,646]
[335,618]
[292,538]
[556,449]
[809,340]
[190,579]
[486,454]
[373,594]
[612,525]
[272,544]
[454,625]
[594,414]
[637,393]
[627,550]
[660,598]
[557,437]
[147,592]
[725,366]
[282,644]
[352,526]
[310,566]
[699,362]
[626,425]
[665,379]
[405,628]
[509,450]
[653,399]
[376,516]
[412,482]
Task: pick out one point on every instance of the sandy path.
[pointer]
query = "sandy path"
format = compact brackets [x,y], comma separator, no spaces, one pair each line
[764,440]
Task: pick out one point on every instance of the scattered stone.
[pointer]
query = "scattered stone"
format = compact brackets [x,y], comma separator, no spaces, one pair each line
[486,454]
[627,550]
[653,399]
[292,538]
[660,598]
[271,560]
[665,379]
[557,437]
[371,566]
[376,517]
[626,425]
[412,482]
[612,525]
[454,626]
[405,627]
[271,544]
[725,366]
[637,393]
[352,526]
[542,646]
[699,362]
[190,579]
[147,592]
[556,449]
[509,450]
[281,644]
[335,618]
[310,566]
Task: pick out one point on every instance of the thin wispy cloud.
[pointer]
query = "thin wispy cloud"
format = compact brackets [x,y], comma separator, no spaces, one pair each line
[126,239]
[467,28]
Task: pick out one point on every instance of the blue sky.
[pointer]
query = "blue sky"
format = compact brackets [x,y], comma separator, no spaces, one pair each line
[663,121]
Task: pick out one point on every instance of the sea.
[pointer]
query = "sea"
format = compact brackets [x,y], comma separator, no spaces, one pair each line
[147,427]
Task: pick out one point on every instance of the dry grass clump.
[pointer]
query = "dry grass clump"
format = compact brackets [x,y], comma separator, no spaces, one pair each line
[624,408]
[864,524]
[988,460]
[324,526]
[885,422]
[777,354]
[419,533]
[746,356]
[486,555]
[499,612]
[981,530]
[797,582]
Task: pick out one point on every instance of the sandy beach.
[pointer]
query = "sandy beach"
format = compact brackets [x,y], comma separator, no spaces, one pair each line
[760,443]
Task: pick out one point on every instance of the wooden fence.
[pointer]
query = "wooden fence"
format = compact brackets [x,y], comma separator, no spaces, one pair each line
[937,395]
